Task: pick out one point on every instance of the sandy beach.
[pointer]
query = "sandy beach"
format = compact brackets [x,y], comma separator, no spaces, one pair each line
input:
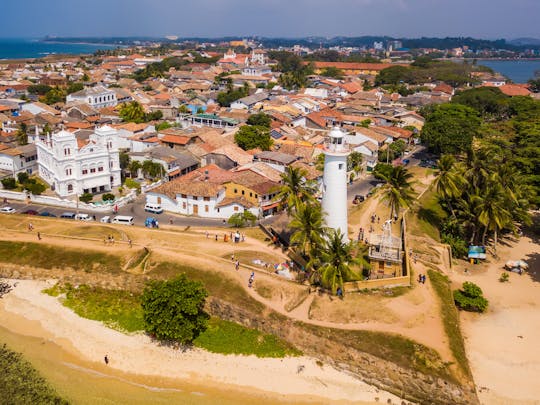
[502,344]
[138,355]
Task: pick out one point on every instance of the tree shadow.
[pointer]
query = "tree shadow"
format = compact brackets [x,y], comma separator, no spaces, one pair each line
[533,260]
[430,216]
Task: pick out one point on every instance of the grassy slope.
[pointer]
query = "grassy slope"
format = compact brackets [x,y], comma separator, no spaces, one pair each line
[428,217]
[122,311]
[450,319]
[20,383]
[49,257]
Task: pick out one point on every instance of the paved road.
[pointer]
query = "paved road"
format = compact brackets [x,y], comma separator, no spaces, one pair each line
[136,209]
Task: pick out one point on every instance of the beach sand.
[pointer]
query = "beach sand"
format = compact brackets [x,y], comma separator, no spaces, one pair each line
[502,344]
[27,311]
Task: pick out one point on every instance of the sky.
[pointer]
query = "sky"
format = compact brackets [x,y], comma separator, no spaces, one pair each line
[490,19]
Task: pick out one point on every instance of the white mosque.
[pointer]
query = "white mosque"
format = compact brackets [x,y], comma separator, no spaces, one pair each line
[334,200]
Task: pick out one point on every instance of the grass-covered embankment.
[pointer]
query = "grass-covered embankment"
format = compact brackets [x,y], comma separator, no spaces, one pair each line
[450,317]
[49,257]
[20,383]
[121,310]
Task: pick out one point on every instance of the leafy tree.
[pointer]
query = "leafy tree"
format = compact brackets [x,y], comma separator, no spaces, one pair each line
[335,258]
[448,181]
[163,125]
[153,116]
[333,72]
[470,298]
[493,210]
[85,78]
[295,189]
[108,197]
[74,87]
[35,187]
[53,96]
[124,160]
[23,177]
[252,137]
[47,129]
[22,134]
[240,219]
[152,169]
[398,191]
[86,197]
[490,102]
[132,112]
[450,128]
[39,89]
[9,183]
[134,167]
[354,161]
[365,123]
[534,85]
[225,99]
[393,75]
[260,119]
[382,171]
[184,110]
[174,309]
[308,227]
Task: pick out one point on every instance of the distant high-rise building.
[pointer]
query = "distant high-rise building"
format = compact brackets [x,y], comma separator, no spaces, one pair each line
[378,46]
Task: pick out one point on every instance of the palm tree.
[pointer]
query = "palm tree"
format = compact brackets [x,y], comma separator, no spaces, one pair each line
[308,227]
[448,181]
[336,258]
[398,191]
[295,189]
[493,212]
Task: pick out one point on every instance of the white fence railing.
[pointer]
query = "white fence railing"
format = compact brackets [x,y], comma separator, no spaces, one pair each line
[105,206]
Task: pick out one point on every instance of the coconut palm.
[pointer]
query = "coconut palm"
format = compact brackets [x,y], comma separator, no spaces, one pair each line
[493,212]
[448,182]
[308,227]
[335,258]
[295,189]
[397,191]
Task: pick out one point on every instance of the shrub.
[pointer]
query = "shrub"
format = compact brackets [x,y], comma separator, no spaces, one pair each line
[174,309]
[86,198]
[22,177]
[108,197]
[470,298]
[504,277]
[130,183]
[9,183]
[34,187]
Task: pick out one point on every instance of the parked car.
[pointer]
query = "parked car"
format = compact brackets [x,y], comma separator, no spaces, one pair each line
[106,219]
[154,208]
[8,210]
[46,214]
[83,217]
[30,212]
[68,215]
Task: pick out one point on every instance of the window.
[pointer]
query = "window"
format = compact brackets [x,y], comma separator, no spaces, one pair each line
[183,195]
[70,188]
[183,205]
[340,166]
[100,169]
[92,170]
[256,196]
[235,191]
[235,208]
[84,171]
[68,171]
[243,192]
[206,208]
[251,194]
[206,198]
[67,151]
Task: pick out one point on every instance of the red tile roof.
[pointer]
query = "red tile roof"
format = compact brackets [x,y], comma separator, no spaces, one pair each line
[514,90]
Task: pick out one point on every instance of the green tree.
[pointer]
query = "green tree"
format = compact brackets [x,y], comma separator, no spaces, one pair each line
[85,78]
[490,102]
[152,169]
[470,298]
[354,161]
[336,259]
[9,183]
[534,85]
[450,128]
[260,119]
[295,189]
[39,89]
[124,160]
[53,96]
[333,72]
[241,219]
[493,210]
[308,227]
[398,191]
[74,87]
[132,112]
[252,137]
[174,309]
[23,177]
[393,75]
[134,167]
[448,182]
[22,134]
[86,197]
[184,110]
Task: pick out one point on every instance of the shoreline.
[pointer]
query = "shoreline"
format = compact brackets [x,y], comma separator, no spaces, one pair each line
[29,312]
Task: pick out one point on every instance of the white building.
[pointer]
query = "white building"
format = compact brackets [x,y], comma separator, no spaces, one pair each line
[20,159]
[97,97]
[334,200]
[74,167]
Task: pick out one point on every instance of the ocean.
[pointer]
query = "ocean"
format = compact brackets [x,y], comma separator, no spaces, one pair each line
[519,71]
[19,48]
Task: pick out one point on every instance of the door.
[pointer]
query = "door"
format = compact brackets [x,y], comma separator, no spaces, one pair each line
[195,209]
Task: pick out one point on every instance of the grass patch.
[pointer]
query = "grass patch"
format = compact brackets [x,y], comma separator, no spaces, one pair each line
[216,283]
[20,383]
[231,338]
[450,317]
[121,310]
[49,257]
[393,348]
[429,216]
[92,232]
[255,233]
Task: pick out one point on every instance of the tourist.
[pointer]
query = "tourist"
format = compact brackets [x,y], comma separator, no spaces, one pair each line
[216,237]
[129,242]
[30,226]
[207,234]
[39,236]
[170,221]
[237,265]
[106,359]
[232,257]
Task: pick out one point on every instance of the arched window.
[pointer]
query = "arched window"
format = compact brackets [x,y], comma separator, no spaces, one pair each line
[70,188]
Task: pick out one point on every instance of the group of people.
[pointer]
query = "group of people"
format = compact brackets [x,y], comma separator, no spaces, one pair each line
[109,240]
[251,279]
[236,237]
[422,278]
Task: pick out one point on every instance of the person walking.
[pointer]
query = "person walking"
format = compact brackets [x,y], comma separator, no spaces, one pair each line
[130,243]
[106,359]
[237,265]
[39,236]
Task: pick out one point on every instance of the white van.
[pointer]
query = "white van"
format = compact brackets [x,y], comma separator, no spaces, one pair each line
[123,219]
[83,217]
[155,208]
[106,219]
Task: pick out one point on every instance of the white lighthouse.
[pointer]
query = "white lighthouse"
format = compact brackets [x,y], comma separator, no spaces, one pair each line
[334,200]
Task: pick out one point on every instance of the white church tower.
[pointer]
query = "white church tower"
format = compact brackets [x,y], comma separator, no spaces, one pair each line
[334,200]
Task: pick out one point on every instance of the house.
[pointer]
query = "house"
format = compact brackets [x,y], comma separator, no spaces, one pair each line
[211,120]
[255,189]
[175,163]
[97,97]
[20,159]
[227,157]
[72,166]
[201,193]
[277,160]
[249,102]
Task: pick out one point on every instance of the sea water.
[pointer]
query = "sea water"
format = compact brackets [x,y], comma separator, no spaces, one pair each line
[20,48]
